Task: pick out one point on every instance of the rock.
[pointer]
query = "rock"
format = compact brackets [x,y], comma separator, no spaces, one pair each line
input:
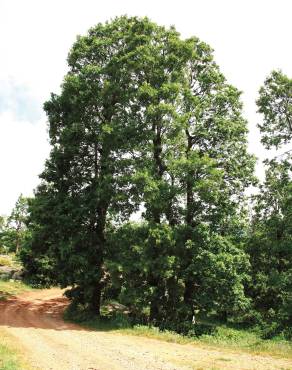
[18,275]
[8,272]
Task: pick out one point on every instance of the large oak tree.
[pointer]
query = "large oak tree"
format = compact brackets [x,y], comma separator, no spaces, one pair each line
[144,118]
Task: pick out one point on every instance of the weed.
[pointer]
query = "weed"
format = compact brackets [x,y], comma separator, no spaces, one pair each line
[225,337]
[11,288]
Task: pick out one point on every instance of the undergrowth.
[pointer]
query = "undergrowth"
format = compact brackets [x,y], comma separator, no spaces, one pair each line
[10,355]
[8,359]
[224,336]
[11,288]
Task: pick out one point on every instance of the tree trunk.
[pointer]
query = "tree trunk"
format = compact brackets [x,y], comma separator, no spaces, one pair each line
[97,229]
[189,185]
[154,306]
[189,284]
[98,258]
[188,295]
[96,300]
[17,245]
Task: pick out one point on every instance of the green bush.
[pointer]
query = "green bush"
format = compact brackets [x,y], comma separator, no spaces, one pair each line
[189,329]
[287,333]
[5,261]
[109,320]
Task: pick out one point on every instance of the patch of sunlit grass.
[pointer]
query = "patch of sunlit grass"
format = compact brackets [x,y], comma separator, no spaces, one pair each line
[11,288]
[224,336]
[10,356]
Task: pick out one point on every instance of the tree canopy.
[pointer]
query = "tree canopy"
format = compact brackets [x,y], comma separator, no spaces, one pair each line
[13,229]
[275,103]
[146,121]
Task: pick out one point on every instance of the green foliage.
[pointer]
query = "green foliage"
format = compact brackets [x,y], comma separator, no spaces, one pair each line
[270,249]
[275,103]
[8,359]
[5,261]
[216,266]
[35,254]
[10,354]
[13,230]
[188,328]
[11,288]
[146,120]
[224,336]
[110,319]
[247,340]
[95,125]
[270,241]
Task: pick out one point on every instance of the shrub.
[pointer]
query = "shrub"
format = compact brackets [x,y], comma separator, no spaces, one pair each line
[189,329]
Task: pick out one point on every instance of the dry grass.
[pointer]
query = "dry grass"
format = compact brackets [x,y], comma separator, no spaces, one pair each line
[239,340]
[226,338]
[11,288]
[5,260]
[11,357]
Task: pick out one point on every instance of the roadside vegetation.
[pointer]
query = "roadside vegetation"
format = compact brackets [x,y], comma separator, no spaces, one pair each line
[9,260]
[8,358]
[10,354]
[227,336]
[12,288]
[8,286]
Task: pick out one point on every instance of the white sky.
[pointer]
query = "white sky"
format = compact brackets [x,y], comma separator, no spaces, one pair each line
[250,38]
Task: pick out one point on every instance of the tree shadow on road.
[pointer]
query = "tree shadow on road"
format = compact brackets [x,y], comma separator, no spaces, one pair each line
[48,313]
[39,314]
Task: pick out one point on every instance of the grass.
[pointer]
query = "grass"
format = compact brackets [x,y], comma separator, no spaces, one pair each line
[8,358]
[249,341]
[5,261]
[241,340]
[11,288]
[225,337]
[10,355]
[9,260]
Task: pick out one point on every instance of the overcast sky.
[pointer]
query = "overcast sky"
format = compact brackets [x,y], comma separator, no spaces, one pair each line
[250,38]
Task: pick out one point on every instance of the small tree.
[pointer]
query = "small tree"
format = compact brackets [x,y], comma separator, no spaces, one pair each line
[16,224]
[270,246]
[271,233]
[275,103]
[2,233]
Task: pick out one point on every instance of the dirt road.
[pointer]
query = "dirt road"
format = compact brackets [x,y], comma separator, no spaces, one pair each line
[34,320]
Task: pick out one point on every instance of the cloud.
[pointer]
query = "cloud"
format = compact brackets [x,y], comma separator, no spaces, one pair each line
[23,149]
[18,100]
